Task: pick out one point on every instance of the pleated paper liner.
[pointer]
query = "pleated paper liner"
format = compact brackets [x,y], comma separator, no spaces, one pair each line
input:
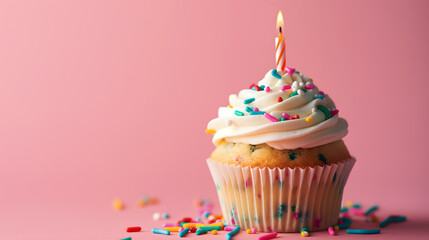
[281,200]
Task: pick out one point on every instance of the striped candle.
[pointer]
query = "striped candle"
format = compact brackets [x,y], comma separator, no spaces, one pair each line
[280,46]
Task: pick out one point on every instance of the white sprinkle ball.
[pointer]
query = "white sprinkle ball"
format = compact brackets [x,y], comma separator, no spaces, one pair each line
[156,216]
[300,92]
[228,122]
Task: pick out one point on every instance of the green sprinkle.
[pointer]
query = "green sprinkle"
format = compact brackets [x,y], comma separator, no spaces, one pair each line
[344,209]
[292,156]
[399,219]
[238,113]
[247,101]
[201,231]
[293,94]
[282,119]
[305,229]
[357,205]
[322,158]
[127,238]
[210,228]
[249,109]
[363,231]
[293,207]
[257,113]
[370,210]
[325,110]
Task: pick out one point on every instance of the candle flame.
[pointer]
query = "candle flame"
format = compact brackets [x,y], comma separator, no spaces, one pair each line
[280,21]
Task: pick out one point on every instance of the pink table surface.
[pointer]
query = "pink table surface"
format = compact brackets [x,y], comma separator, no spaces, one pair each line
[105,99]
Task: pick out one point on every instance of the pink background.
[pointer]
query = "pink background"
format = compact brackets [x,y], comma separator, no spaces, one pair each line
[104,99]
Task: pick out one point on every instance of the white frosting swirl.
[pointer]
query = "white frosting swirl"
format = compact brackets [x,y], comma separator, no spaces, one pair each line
[317,130]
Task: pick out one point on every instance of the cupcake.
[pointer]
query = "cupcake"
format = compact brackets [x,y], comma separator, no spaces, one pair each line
[280,163]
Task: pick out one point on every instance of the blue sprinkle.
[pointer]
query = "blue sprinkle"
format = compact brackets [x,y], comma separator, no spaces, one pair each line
[165,215]
[206,214]
[262,87]
[346,223]
[322,158]
[184,232]
[399,219]
[275,74]
[363,231]
[344,209]
[249,109]
[371,209]
[386,222]
[357,205]
[257,113]
[319,96]
[247,101]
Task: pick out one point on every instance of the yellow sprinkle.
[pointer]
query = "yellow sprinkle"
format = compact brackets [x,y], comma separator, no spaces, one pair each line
[336,228]
[304,233]
[217,224]
[191,225]
[348,204]
[309,119]
[214,232]
[141,203]
[230,106]
[248,231]
[172,229]
[210,131]
[117,204]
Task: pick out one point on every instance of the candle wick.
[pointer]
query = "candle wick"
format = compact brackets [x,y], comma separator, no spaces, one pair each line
[280,29]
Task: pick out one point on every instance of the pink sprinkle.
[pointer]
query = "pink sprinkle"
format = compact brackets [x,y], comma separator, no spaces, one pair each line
[269,229]
[357,212]
[271,118]
[229,228]
[334,112]
[285,87]
[218,221]
[321,93]
[233,221]
[309,86]
[296,215]
[254,230]
[181,229]
[170,225]
[256,109]
[331,231]
[290,70]
[194,221]
[268,236]
[286,116]
[267,88]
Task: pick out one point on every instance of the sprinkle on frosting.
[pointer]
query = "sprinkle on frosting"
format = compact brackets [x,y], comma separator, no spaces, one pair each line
[249,100]
[280,97]
[210,131]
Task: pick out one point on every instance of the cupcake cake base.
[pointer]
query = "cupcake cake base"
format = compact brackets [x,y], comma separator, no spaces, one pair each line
[281,199]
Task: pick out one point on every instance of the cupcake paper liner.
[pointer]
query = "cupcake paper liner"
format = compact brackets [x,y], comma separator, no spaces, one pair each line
[281,200]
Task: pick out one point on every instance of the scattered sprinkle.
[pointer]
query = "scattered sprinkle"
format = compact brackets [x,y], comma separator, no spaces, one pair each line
[319,96]
[172,229]
[210,131]
[229,235]
[127,238]
[248,231]
[156,216]
[256,109]
[184,232]
[165,215]
[331,231]
[363,231]
[309,119]
[268,236]
[249,100]
[254,230]
[134,229]
[334,112]
[238,113]
[248,109]
[230,106]
[267,89]
[117,204]
[280,99]
[304,234]
[293,94]
[371,209]
[271,118]
[214,232]
[160,231]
